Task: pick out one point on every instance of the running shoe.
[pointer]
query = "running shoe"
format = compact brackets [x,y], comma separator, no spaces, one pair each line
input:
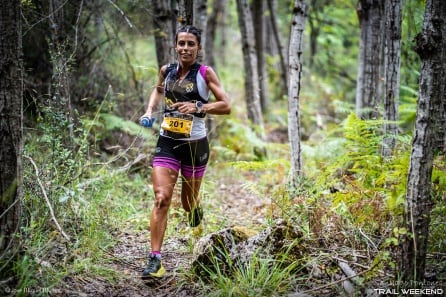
[195,216]
[154,268]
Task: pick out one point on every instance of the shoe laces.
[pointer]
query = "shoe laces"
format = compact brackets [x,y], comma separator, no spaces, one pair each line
[153,262]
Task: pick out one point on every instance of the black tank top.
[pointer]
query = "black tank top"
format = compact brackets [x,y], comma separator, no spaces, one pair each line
[192,88]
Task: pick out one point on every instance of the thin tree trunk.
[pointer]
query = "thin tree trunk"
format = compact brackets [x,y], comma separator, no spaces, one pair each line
[370,65]
[225,20]
[392,57]
[259,27]
[217,16]
[430,47]
[280,47]
[250,62]
[11,122]
[315,21]
[270,43]
[295,68]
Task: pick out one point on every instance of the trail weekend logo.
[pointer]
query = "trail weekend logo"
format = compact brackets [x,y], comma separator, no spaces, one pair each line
[399,292]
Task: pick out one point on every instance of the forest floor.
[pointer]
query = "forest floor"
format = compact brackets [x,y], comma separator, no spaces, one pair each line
[233,203]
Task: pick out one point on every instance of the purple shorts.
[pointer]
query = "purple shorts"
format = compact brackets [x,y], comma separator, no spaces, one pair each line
[191,157]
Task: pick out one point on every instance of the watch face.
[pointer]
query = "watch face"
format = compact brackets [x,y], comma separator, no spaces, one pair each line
[199,106]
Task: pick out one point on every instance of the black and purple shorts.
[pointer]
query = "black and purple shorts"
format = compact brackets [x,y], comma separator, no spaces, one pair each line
[189,156]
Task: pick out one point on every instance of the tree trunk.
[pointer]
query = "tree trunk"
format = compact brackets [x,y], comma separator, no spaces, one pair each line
[280,47]
[250,62]
[185,12]
[441,136]
[164,31]
[11,121]
[295,68]
[225,19]
[370,62]
[200,20]
[392,58]
[430,47]
[315,21]
[259,26]
[217,16]
[270,43]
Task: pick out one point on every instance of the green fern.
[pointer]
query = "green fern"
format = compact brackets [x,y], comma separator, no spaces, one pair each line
[112,122]
[364,185]
[243,140]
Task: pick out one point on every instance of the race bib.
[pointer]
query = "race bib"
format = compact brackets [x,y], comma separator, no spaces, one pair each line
[177,125]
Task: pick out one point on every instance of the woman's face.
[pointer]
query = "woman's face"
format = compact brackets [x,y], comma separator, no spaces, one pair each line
[187,47]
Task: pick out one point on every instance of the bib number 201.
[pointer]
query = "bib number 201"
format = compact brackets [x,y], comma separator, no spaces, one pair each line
[178,126]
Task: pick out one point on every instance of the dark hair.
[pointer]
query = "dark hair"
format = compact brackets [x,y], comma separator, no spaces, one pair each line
[189,29]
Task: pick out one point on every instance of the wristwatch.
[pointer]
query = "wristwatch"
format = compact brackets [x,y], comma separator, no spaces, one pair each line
[199,106]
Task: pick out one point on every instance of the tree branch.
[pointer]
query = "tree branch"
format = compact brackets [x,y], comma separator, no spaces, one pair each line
[53,217]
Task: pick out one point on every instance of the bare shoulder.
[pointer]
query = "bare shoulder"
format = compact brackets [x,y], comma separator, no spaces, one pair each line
[163,69]
[211,75]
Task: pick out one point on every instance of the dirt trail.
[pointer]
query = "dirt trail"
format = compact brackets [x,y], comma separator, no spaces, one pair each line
[232,205]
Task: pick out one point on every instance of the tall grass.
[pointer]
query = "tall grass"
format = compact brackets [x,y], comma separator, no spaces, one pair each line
[257,277]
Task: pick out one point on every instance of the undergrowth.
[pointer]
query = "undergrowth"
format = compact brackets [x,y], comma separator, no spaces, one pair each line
[350,195]
[89,198]
[258,277]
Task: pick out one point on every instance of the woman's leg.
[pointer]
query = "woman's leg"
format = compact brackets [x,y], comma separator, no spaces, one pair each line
[190,189]
[164,180]
[193,167]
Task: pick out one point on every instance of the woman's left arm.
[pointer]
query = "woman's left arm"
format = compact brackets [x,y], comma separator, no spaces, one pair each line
[222,105]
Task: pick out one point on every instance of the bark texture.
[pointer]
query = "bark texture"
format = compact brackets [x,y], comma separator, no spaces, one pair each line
[164,31]
[431,49]
[258,9]
[369,84]
[215,22]
[250,63]
[200,20]
[295,73]
[392,55]
[11,121]
[278,42]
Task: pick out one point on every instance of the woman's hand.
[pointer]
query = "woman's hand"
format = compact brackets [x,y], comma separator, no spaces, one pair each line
[185,107]
[148,114]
